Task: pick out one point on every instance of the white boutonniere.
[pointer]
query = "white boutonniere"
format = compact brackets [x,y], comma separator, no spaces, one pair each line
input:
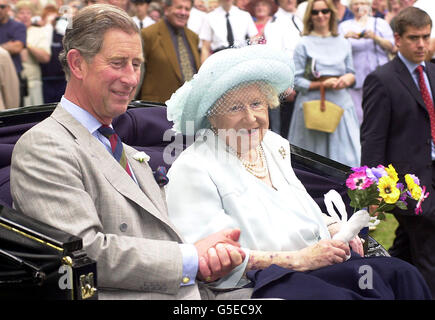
[141,157]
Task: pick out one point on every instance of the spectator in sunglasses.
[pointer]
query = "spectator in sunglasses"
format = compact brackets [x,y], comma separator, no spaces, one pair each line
[328,58]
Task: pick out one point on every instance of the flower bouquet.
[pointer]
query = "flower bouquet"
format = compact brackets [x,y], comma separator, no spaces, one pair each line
[380,187]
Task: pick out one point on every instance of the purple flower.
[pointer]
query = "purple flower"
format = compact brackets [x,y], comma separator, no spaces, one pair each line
[415,178]
[371,175]
[359,169]
[377,173]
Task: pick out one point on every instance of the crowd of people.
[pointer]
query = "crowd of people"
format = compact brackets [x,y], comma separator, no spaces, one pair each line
[188,32]
[194,57]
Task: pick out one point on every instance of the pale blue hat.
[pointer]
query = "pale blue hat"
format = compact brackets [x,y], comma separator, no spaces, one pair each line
[221,72]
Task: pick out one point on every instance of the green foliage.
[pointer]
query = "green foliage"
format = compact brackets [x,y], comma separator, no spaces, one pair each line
[385,231]
[364,198]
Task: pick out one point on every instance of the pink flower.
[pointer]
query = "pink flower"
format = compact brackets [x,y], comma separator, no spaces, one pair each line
[424,195]
[358,180]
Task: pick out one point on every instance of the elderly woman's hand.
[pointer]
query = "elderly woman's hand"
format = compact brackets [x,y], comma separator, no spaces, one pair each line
[321,254]
[356,243]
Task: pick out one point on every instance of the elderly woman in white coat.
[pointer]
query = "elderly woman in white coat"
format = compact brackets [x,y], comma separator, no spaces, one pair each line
[238,174]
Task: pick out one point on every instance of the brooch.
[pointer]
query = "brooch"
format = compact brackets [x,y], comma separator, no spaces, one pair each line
[282,152]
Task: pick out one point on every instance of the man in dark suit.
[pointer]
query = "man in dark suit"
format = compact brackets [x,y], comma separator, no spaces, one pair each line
[171,52]
[397,128]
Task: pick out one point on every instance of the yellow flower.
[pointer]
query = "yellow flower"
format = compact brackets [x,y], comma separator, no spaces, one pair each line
[392,173]
[413,187]
[409,181]
[388,190]
[415,192]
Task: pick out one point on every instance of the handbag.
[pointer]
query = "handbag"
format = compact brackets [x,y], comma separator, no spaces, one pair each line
[322,115]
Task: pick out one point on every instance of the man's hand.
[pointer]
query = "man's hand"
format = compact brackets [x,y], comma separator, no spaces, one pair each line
[218,254]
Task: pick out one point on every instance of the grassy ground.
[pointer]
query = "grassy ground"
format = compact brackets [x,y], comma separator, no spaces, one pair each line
[384,233]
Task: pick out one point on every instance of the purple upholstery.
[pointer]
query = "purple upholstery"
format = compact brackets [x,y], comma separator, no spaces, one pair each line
[142,128]
[8,138]
[5,194]
[317,185]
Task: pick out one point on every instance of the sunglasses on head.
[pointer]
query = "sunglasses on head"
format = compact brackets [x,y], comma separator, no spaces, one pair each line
[3,6]
[323,11]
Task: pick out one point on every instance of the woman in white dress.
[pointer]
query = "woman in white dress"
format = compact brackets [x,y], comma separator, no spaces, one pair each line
[372,40]
[238,174]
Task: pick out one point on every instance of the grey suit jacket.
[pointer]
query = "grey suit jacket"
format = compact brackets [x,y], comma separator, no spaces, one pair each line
[63,176]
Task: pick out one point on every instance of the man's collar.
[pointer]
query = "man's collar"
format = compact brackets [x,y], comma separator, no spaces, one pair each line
[409,64]
[282,11]
[232,8]
[81,115]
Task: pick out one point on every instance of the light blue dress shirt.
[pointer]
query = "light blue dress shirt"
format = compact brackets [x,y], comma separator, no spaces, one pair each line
[188,251]
[411,66]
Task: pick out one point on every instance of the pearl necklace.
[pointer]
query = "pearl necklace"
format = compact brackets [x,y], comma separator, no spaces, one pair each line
[257,168]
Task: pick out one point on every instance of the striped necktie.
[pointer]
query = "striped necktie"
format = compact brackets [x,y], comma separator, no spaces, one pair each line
[427,99]
[116,145]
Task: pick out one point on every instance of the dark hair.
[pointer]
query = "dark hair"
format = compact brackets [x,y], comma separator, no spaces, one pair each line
[411,17]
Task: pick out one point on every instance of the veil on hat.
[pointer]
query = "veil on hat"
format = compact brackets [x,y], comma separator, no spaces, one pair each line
[221,72]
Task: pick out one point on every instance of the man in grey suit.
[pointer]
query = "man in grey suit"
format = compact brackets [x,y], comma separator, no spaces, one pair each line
[69,172]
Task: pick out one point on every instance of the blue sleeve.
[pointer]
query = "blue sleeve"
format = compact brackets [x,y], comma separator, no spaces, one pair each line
[190,264]
[300,59]
[19,33]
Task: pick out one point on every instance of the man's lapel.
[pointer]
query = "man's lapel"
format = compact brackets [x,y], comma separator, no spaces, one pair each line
[430,71]
[146,180]
[168,47]
[406,78]
[115,174]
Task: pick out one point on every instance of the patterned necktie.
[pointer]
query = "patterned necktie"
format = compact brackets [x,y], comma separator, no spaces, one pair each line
[116,145]
[185,63]
[140,24]
[427,100]
[230,36]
